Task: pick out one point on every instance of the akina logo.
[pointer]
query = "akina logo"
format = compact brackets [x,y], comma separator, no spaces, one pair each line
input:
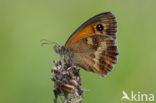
[137,96]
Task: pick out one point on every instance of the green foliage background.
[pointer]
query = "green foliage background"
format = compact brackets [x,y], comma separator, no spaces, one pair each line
[25,65]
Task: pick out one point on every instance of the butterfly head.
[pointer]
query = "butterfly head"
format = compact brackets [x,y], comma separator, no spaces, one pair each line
[60,49]
[65,54]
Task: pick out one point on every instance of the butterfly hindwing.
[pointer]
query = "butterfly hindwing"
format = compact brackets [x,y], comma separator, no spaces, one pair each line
[96,53]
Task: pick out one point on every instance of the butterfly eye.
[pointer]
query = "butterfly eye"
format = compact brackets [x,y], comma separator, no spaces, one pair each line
[99,27]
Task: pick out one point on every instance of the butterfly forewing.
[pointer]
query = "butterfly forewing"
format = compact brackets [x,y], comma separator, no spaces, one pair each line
[96,53]
[103,23]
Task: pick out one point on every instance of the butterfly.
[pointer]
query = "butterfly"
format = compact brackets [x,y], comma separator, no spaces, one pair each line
[93,45]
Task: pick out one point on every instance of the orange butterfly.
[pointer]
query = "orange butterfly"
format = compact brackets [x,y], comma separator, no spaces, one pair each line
[93,45]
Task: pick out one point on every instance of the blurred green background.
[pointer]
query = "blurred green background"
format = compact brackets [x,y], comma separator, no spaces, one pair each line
[25,64]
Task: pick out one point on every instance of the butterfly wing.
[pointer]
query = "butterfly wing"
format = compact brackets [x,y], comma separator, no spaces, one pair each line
[96,53]
[103,23]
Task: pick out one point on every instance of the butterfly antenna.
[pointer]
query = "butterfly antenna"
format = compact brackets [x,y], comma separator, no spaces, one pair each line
[45,41]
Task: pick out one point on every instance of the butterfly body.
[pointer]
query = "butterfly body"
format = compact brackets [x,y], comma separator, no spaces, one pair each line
[93,45]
